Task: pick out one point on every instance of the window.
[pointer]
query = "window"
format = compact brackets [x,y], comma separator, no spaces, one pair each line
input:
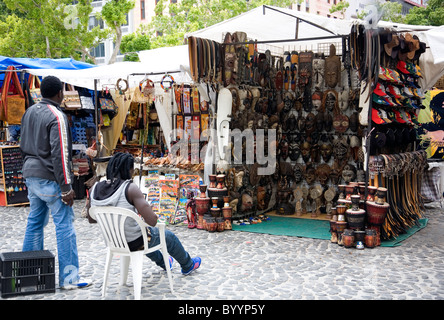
[142,9]
[98,51]
[126,23]
[94,22]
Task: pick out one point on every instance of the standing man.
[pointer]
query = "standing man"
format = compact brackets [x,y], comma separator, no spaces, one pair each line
[47,167]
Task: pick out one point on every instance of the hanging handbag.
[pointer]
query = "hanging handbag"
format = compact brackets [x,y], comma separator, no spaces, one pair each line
[107,104]
[12,106]
[72,98]
[34,89]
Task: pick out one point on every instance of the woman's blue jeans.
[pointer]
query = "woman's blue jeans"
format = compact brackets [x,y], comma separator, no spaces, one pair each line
[44,196]
[174,247]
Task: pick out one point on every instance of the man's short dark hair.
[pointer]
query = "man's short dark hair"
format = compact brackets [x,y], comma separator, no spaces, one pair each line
[50,86]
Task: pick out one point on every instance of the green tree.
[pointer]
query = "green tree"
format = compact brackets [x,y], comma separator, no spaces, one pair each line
[341,7]
[114,13]
[48,28]
[431,15]
[133,42]
[172,22]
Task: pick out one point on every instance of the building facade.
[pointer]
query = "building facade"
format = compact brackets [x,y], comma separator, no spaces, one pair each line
[104,50]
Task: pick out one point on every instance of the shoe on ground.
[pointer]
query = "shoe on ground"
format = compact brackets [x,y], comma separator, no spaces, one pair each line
[196,264]
[171,260]
[78,285]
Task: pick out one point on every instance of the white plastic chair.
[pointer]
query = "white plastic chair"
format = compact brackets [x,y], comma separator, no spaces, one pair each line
[111,221]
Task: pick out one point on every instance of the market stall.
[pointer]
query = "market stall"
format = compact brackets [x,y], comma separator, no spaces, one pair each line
[19,91]
[344,101]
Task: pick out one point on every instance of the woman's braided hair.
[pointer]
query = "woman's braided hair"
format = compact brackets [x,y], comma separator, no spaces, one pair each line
[119,167]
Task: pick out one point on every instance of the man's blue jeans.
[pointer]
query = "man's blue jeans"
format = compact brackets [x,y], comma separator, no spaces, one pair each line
[174,247]
[44,196]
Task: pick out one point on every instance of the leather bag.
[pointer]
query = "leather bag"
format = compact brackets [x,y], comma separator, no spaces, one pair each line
[13,103]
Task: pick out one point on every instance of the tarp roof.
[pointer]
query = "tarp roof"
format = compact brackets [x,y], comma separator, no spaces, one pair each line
[154,63]
[278,27]
[269,23]
[43,63]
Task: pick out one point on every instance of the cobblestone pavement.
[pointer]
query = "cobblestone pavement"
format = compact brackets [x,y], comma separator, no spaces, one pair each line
[249,266]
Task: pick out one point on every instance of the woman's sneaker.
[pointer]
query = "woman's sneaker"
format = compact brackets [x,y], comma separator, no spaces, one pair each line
[196,264]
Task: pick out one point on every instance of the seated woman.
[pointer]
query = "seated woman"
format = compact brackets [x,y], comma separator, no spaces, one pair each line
[119,191]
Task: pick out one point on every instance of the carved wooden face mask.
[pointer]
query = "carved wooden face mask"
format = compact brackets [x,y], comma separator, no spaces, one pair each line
[291,122]
[320,120]
[349,173]
[284,149]
[334,176]
[332,68]
[305,151]
[310,174]
[294,151]
[316,100]
[298,172]
[310,123]
[340,123]
[330,100]
[340,149]
[343,100]
[326,151]
[301,123]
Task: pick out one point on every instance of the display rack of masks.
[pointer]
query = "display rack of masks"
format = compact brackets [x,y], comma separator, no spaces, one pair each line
[311,99]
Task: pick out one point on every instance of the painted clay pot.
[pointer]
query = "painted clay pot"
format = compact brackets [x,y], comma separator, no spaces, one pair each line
[359,235]
[202,207]
[340,227]
[220,224]
[370,238]
[203,190]
[340,209]
[349,189]
[371,193]
[355,201]
[219,194]
[227,214]
[211,224]
[381,194]
[226,201]
[334,235]
[376,213]
[362,192]
[213,181]
[348,238]
[356,218]
[220,181]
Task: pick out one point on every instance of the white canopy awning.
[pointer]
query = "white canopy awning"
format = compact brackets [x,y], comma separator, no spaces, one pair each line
[154,64]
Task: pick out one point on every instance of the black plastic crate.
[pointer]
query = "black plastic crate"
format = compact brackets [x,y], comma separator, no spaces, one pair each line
[28,272]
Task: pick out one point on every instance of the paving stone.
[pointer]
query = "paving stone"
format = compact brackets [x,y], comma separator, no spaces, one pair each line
[248,266]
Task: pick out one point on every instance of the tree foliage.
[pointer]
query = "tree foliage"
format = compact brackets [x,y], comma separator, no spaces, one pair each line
[132,43]
[114,13]
[47,29]
[172,22]
[432,15]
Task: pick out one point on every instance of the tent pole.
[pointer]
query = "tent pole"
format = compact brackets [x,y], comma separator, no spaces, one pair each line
[288,14]
[283,40]
[96,111]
